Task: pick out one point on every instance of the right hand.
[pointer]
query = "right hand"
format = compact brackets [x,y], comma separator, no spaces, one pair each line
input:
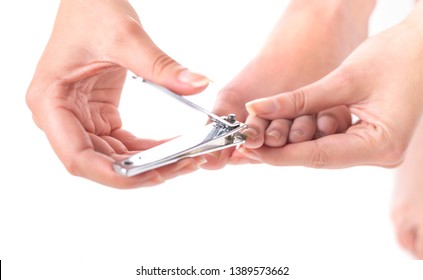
[75,91]
[381,83]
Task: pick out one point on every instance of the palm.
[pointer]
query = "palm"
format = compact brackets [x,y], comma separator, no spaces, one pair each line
[90,107]
[95,105]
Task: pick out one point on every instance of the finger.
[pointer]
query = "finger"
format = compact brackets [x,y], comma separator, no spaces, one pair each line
[331,91]
[363,145]
[237,159]
[255,131]
[133,143]
[181,167]
[231,102]
[217,160]
[97,167]
[117,146]
[303,128]
[419,244]
[167,172]
[223,107]
[334,120]
[139,54]
[406,237]
[75,149]
[277,133]
[100,145]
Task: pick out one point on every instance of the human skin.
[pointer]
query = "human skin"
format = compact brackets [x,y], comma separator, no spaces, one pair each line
[407,205]
[256,77]
[75,91]
[380,82]
[310,39]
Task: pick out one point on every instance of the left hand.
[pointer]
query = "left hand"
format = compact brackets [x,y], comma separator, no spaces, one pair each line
[75,92]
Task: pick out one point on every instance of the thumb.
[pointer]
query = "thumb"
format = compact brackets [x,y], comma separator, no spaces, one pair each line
[330,91]
[146,60]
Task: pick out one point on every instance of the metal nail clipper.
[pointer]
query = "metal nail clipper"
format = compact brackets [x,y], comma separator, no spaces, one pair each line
[221,133]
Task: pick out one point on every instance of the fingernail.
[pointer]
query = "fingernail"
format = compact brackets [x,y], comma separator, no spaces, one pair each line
[152,178]
[185,168]
[239,160]
[201,160]
[215,155]
[262,106]
[249,153]
[159,180]
[327,124]
[251,133]
[297,132]
[193,79]
[274,134]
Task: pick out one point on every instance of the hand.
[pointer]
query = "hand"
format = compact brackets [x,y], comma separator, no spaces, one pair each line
[308,42]
[381,84]
[75,91]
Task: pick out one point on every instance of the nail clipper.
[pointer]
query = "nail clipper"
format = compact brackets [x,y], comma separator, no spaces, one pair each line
[221,133]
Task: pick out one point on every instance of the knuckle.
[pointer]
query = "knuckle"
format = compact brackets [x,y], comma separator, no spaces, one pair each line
[318,158]
[160,64]
[131,27]
[298,100]
[280,125]
[388,152]
[345,75]
[31,98]
[33,102]
[391,152]
[346,80]
[227,102]
[123,32]
[71,167]
[393,156]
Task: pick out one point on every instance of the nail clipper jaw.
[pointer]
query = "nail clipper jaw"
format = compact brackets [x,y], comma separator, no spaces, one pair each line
[233,123]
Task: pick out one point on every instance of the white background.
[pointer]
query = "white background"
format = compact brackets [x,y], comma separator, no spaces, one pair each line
[330,224]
